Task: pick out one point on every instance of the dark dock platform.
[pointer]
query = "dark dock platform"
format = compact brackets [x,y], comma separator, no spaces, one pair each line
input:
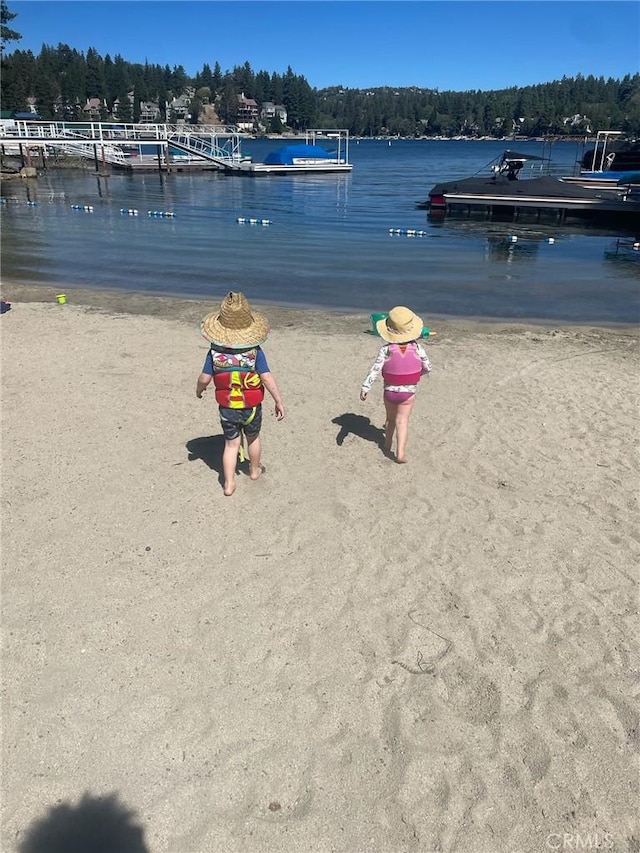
[496,194]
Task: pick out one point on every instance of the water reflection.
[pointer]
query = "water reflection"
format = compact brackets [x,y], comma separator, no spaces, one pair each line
[625,254]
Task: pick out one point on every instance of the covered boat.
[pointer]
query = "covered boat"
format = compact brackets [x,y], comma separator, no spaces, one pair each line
[307,156]
[291,155]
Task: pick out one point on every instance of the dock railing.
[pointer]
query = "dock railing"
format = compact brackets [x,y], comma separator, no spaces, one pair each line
[218,143]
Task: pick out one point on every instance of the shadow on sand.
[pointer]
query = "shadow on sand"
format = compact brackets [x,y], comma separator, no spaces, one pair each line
[351,424]
[209,449]
[94,825]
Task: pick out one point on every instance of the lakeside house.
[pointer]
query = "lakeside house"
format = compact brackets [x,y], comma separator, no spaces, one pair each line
[248,112]
[149,112]
[269,111]
[178,108]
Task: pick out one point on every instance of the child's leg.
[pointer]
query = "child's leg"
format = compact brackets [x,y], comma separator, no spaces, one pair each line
[229,460]
[403,411]
[252,426]
[254,446]
[390,423]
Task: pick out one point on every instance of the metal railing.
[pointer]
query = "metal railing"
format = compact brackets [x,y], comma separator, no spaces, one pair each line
[217,143]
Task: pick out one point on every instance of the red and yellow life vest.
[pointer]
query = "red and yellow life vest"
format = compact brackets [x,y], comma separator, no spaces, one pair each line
[237,384]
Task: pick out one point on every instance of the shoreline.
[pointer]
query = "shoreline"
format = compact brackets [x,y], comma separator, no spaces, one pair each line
[315,319]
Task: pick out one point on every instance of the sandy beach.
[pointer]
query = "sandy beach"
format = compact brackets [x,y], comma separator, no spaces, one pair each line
[347,655]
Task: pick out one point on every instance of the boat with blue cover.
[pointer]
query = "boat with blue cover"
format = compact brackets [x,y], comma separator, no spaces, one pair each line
[307,157]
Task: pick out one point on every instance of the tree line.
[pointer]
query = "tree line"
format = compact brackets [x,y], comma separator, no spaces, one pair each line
[61,79]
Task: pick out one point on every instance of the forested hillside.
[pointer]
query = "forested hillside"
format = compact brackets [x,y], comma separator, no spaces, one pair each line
[59,81]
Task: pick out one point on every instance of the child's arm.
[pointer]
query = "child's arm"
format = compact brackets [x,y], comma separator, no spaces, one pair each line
[424,358]
[270,384]
[203,380]
[206,376]
[373,374]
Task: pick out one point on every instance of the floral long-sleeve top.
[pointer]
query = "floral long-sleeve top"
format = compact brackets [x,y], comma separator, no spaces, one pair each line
[378,364]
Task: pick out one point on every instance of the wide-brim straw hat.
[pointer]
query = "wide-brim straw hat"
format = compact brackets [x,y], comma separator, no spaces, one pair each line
[400,326]
[235,325]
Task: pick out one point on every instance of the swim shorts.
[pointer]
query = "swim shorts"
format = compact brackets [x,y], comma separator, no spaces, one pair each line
[235,420]
[397,396]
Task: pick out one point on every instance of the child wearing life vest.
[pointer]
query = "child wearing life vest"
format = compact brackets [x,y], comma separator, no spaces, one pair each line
[240,373]
[402,360]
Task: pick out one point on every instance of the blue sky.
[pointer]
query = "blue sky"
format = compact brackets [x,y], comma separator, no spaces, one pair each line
[444,44]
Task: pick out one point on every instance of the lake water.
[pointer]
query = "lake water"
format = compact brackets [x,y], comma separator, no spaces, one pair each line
[328,244]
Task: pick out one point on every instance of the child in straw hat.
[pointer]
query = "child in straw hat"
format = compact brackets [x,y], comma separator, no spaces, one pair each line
[402,360]
[240,373]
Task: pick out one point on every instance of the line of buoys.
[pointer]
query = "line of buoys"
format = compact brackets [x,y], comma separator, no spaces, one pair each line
[241,220]
[406,232]
[166,213]
[31,203]
[513,238]
[130,211]
[87,207]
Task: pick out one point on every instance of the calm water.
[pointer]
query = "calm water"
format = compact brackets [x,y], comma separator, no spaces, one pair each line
[328,244]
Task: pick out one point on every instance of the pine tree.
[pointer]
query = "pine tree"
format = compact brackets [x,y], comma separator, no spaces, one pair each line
[6,33]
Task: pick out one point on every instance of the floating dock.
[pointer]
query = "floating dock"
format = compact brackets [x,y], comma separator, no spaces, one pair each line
[497,195]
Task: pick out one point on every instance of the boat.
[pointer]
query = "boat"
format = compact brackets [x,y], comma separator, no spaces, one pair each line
[308,157]
[611,155]
[609,164]
[502,192]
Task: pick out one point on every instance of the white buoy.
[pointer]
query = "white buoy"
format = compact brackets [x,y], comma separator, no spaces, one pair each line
[551,241]
[513,238]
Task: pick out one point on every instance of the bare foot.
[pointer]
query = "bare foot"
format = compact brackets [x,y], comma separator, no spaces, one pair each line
[229,489]
[402,461]
[254,473]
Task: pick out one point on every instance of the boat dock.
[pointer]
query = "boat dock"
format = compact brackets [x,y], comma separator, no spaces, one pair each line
[497,196]
[163,147]
[501,194]
[306,156]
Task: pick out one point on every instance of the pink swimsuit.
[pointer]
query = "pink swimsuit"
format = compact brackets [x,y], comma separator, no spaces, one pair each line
[401,366]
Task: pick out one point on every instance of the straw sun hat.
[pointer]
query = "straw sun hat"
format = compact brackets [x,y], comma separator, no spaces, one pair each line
[235,325]
[400,326]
